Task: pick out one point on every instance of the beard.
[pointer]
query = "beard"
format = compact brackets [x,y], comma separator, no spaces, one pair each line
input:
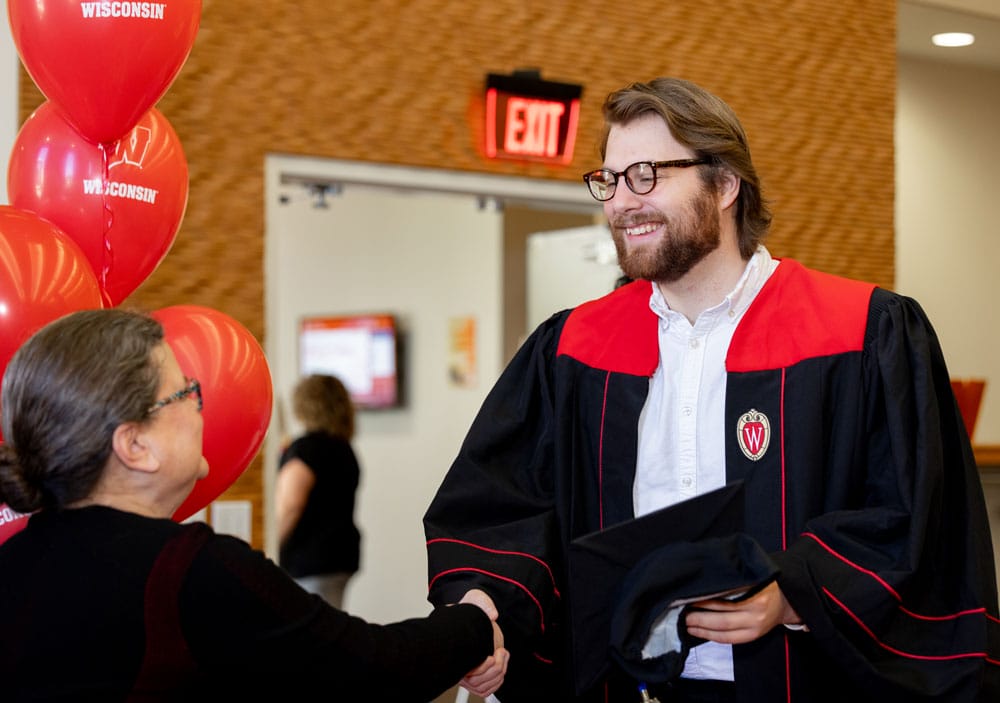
[689,237]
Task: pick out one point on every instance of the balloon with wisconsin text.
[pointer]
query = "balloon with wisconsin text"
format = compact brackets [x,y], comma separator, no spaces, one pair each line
[236,389]
[11,522]
[103,64]
[121,203]
[43,276]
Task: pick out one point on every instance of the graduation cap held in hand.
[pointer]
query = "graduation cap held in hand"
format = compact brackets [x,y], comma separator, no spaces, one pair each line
[625,579]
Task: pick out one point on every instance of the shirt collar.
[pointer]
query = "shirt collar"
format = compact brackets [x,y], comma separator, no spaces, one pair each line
[758,269]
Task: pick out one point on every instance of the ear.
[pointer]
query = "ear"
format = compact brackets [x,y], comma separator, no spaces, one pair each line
[729,189]
[131,444]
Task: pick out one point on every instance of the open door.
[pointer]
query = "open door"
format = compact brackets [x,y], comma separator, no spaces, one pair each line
[567,267]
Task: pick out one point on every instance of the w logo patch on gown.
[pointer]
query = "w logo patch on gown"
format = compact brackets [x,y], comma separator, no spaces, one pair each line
[753,432]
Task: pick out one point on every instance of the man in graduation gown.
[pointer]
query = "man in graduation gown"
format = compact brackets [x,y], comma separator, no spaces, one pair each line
[827,399]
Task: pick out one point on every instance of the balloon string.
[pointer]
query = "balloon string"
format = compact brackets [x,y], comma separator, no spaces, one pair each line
[108,220]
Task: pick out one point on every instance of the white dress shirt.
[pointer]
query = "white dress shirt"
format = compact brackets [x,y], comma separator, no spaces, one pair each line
[681,447]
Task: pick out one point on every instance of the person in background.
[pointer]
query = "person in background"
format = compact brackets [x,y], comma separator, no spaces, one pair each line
[318,477]
[826,401]
[104,598]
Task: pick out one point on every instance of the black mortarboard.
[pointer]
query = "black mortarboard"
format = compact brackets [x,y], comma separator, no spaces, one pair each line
[624,578]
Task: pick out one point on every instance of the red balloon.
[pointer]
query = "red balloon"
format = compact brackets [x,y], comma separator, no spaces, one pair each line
[43,276]
[121,203]
[236,389]
[11,522]
[104,64]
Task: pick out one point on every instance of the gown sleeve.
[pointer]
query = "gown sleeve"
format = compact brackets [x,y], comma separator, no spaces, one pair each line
[492,524]
[901,590]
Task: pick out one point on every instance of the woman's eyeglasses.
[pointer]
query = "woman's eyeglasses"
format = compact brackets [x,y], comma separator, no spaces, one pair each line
[193,387]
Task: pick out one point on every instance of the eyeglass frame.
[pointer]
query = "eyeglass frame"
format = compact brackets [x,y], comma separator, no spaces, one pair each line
[656,165]
[193,387]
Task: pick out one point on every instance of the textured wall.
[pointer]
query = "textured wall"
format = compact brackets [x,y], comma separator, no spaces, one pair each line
[401,81]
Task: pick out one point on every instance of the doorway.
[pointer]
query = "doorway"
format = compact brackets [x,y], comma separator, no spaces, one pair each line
[430,247]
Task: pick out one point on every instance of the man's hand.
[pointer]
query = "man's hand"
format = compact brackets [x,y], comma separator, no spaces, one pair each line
[483,601]
[737,622]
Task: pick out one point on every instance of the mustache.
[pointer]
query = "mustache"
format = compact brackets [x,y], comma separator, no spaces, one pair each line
[632,220]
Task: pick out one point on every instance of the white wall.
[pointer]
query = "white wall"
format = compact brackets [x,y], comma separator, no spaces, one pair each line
[947,232]
[947,243]
[427,258]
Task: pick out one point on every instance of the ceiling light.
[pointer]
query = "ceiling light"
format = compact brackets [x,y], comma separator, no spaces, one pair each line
[953,39]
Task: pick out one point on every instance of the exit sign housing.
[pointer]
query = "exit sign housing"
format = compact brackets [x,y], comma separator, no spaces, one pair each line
[531,119]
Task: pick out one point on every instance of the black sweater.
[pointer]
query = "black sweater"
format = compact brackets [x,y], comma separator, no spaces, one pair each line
[91,597]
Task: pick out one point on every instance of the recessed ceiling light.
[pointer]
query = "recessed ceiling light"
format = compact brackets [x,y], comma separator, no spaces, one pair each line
[953,39]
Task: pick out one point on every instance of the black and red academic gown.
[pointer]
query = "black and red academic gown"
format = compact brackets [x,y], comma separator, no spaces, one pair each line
[860,484]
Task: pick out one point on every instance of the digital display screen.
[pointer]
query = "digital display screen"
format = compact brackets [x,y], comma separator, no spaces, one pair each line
[360,350]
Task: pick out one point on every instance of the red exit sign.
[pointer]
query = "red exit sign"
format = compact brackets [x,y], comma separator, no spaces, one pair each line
[528,118]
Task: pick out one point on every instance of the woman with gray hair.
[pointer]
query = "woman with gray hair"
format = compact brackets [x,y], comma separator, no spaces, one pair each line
[104,597]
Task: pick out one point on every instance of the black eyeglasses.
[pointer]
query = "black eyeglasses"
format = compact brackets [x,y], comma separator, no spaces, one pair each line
[640,177]
[193,387]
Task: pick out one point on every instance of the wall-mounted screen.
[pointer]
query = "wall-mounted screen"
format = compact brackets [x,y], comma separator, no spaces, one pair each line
[361,350]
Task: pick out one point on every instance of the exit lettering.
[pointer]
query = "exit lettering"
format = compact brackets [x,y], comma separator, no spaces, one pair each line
[532,127]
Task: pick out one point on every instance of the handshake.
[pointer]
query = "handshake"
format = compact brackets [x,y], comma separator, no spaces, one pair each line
[486,678]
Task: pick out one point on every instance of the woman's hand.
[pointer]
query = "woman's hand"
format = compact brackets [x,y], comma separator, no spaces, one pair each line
[486,678]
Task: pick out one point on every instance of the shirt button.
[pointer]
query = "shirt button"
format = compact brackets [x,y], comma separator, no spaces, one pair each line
[687,411]
[693,343]
[686,481]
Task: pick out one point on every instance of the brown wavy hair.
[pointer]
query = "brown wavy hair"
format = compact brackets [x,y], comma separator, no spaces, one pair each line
[708,126]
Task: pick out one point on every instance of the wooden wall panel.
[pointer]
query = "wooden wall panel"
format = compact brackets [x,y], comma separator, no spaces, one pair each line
[402,82]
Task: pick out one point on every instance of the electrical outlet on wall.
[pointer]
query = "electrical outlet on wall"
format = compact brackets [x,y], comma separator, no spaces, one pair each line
[233,517]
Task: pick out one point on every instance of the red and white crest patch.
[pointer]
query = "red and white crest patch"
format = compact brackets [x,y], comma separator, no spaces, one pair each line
[753,432]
